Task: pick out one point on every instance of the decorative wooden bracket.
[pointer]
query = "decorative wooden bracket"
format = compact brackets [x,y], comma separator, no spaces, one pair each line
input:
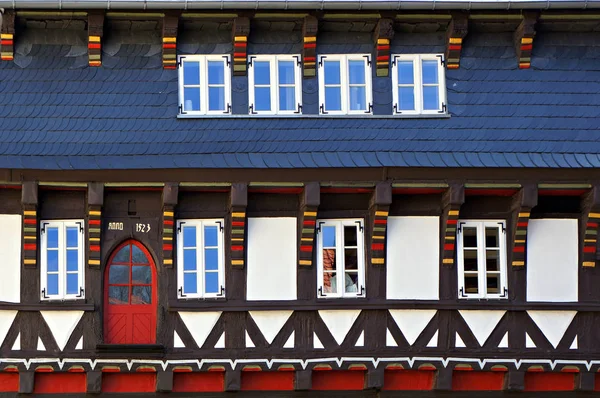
[382,36]
[238,202]
[452,200]
[7,36]
[379,209]
[310,28]
[590,220]
[95,33]
[457,30]
[169,40]
[29,201]
[241,30]
[169,198]
[309,205]
[523,39]
[95,203]
[522,203]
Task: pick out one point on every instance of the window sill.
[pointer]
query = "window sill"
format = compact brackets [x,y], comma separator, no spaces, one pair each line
[203,299]
[369,116]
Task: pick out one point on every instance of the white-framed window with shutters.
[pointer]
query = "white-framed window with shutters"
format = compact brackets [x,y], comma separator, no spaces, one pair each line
[204,85]
[274,85]
[345,84]
[419,84]
[61,260]
[340,258]
[200,259]
[481,258]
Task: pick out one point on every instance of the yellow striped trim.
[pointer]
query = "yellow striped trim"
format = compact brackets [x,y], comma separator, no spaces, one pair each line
[169,39]
[168,238]
[306,239]
[524,214]
[237,262]
[383,41]
[378,237]
[238,214]
[95,213]
[240,38]
[455,40]
[589,240]
[237,239]
[30,237]
[453,213]
[527,40]
[30,213]
[595,215]
[168,214]
[589,263]
[519,241]
[169,61]
[382,213]
[518,263]
[30,261]
[94,39]
[94,239]
[310,214]
[305,262]
[310,39]
[448,261]
[378,261]
[168,261]
[6,36]
[94,262]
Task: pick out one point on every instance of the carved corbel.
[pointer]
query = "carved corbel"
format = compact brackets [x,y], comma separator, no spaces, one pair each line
[457,30]
[310,28]
[238,202]
[95,33]
[307,217]
[95,203]
[241,30]
[523,38]
[169,198]
[452,200]
[522,203]
[7,36]
[379,209]
[169,40]
[590,219]
[382,36]
[29,202]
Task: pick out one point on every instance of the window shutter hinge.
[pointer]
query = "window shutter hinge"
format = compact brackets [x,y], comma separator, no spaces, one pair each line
[502,226]
[180,224]
[360,226]
[220,225]
[319,226]
[299,109]
[80,226]
[227,109]
[181,111]
[322,109]
[251,109]
[504,293]
[44,293]
[369,108]
[222,292]
[368,58]
[462,293]
[43,230]
[180,290]
[81,291]
[396,109]
[362,290]
[180,61]
[460,224]
[394,61]
[321,294]
[227,62]
[442,60]
[444,108]
[321,60]
[298,63]
[250,59]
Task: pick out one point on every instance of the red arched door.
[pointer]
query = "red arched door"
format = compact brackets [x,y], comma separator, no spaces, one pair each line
[130,296]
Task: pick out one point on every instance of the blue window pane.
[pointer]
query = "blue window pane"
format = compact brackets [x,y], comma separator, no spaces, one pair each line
[216,72]
[141,295]
[123,255]
[356,72]
[72,284]
[211,235]
[191,99]
[286,72]
[262,72]
[118,295]
[216,98]
[211,283]
[211,259]
[189,236]
[118,274]
[189,259]
[430,98]
[406,73]
[407,98]
[332,72]
[430,72]
[287,99]
[358,98]
[333,99]
[262,99]
[52,287]
[52,260]
[141,275]
[191,73]
[190,283]
[138,256]
[52,237]
[72,260]
[328,236]
[72,234]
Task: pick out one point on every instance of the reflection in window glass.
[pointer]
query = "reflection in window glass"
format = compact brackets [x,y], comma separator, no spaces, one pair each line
[430,85]
[287,86]
[406,85]
[202,84]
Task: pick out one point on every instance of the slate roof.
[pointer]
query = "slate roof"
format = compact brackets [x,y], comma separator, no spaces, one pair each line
[57,113]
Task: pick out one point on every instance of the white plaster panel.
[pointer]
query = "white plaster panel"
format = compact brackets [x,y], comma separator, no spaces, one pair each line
[200,324]
[10,260]
[272,259]
[270,322]
[62,324]
[552,257]
[339,322]
[413,258]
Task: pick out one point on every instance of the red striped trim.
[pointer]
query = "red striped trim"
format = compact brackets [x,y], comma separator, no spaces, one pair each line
[383,47]
[592,224]
[383,58]
[306,248]
[30,246]
[30,221]
[526,47]
[237,248]
[170,67]
[381,221]
[237,223]
[310,222]
[310,45]
[94,248]
[310,59]
[452,222]
[168,46]
[377,246]
[95,46]
[522,224]
[168,247]
[168,222]
[454,47]
[589,249]
[239,55]
[94,222]
[7,42]
[519,249]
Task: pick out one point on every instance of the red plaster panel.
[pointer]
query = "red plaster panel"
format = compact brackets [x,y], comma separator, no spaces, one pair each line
[408,379]
[267,381]
[59,382]
[549,381]
[128,382]
[9,382]
[477,381]
[338,380]
[198,381]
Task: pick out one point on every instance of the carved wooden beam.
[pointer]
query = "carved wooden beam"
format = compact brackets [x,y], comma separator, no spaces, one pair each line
[241,30]
[95,33]
[523,202]
[169,40]
[95,203]
[383,34]
[590,220]
[523,38]
[29,201]
[452,200]
[457,30]
[307,218]
[237,204]
[310,28]
[169,198]
[7,36]
[379,209]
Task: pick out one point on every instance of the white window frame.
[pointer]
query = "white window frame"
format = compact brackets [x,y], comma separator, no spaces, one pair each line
[199,224]
[344,83]
[340,264]
[203,61]
[274,83]
[481,259]
[62,259]
[418,85]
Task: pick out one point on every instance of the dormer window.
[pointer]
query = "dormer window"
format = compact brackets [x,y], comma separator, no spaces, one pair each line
[274,84]
[345,84]
[204,85]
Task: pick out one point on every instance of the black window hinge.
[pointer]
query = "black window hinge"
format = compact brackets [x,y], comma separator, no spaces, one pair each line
[180,290]
[322,109]
[394,61]
[442,60]
[298,62]
[44,295]
[181,111]
[501,224]
[396,109]
[459,228]
[227,62]
[362,290]
[320,291]
[321,60]
[369,108]
[222,292]
[250,59]
[298,109]
[461,292]
[179,226]
[220,224]
[80,226]
[43,230]
[81,291]
[504,293]
[227,109]
[444,108]
[251,110]
[319,226]
[368,58]
[360,225]
[180,61]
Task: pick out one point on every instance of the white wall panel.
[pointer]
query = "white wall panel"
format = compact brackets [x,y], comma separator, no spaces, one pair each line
[552,258]
[413,258]
[272,259]
[10,258]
